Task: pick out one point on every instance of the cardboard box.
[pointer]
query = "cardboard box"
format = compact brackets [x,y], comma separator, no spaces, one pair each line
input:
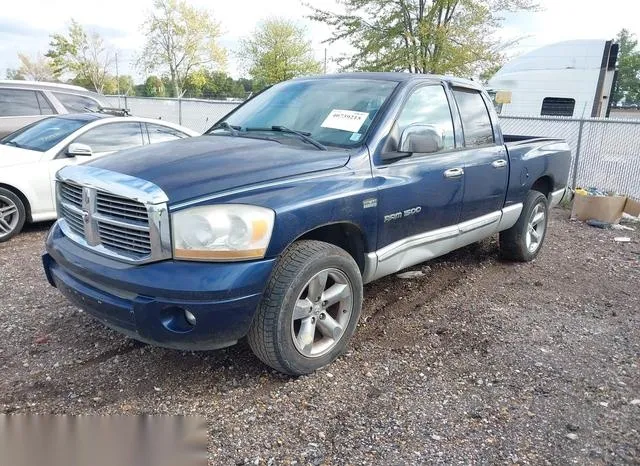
[632,207]
[603,208]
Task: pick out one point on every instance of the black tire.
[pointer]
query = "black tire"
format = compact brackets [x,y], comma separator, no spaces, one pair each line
[11,223]
[513,242]
[271,336]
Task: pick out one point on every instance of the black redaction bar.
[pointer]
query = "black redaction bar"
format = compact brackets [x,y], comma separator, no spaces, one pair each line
[63,440]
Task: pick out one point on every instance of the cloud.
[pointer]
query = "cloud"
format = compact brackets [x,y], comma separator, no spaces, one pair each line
[11,29]
[26,26]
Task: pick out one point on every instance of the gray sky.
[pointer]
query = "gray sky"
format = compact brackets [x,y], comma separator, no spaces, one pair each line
[25,26]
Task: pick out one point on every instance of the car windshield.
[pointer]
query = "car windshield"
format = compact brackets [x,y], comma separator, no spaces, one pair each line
[44,134]
[332,112]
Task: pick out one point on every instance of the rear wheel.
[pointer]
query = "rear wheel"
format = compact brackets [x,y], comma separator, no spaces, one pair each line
[523,241]
[310,309]
[12,215]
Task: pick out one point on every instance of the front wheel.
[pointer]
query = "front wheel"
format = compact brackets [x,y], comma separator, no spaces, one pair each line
[12,215]
[310,309]
[523,241]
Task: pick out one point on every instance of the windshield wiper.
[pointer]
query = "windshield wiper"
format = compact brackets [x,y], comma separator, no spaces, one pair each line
[224,125]
[302,135]
[12,143]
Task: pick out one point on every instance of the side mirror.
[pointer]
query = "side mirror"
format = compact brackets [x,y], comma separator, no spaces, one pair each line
[78,149]
[423,139]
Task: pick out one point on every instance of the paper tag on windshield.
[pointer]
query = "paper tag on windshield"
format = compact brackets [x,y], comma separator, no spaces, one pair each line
[345,120]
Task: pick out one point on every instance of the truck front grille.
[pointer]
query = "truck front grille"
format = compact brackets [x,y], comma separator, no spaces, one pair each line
[73,218]
[120,208]
[71,194]
[125,239]
[116,225]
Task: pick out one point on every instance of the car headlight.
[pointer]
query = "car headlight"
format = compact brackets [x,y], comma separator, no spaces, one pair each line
[226,232]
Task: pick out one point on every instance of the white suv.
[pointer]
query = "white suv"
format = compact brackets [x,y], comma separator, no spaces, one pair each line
[23,102]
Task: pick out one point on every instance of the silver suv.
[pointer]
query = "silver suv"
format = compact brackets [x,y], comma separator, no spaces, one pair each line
[23,102]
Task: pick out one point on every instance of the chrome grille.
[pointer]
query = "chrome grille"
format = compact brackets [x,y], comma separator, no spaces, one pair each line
[125,239]
[74,219]
[119,207]
[72,194]
[133,227]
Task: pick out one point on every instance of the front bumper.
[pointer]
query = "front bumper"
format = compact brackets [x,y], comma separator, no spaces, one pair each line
[147,302]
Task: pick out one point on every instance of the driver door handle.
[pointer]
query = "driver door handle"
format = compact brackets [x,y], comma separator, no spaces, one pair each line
[454,173]
[501,163]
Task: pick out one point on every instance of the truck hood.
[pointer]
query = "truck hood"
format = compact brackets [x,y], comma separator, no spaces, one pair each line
[10,156]
[195,167]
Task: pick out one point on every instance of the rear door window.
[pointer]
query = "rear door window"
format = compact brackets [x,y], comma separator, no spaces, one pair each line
[476,123]
[159,133]
[45,106]
[75,103]
[112,137]
[18,102]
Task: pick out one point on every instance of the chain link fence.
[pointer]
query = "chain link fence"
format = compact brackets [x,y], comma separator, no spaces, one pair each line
[196,114]
[605,152]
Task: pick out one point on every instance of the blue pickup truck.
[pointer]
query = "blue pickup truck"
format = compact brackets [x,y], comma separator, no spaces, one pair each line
[268,226]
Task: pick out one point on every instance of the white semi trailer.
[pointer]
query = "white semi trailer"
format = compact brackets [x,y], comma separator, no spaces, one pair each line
[570,79]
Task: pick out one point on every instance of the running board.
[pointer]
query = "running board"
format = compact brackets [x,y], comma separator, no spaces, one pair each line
[425,246]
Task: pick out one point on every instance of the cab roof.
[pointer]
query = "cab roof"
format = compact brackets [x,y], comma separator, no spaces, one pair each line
[400,77]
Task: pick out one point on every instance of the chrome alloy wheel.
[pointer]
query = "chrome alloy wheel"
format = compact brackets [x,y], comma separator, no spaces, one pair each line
[322,313]
[536,227]
[8,216]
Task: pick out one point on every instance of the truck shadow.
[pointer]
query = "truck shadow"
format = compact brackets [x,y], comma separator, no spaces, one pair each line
[390,301]
[123,370]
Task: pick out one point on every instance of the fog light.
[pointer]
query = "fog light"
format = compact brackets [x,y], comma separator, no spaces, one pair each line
[190,317]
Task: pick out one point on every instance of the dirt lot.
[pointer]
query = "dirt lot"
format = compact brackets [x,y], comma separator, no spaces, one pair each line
[478,361]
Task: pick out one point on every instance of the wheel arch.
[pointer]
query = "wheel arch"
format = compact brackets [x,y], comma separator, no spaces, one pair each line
[23,198]
[544,185]
[345,235]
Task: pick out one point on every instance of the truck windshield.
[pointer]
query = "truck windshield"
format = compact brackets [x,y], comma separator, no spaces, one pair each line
[44,134]
[333,112]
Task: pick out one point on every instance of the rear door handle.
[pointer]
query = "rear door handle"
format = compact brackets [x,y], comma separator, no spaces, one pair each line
[501,163]
[454,173]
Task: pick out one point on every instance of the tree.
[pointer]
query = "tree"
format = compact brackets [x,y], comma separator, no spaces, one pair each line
[82,53]
[627,86]
[14,73]
[276,51]
[126,86]
[488,72]
[195,82]
[247,84]
[420,36]
[180,39]
[221,86]
[32,69]
[213,85]
[154,87]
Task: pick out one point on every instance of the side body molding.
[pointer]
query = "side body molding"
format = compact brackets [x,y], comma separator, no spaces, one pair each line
[425,246]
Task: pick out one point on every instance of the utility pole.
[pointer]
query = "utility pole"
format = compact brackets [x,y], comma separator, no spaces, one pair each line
[325,60]
[118,81]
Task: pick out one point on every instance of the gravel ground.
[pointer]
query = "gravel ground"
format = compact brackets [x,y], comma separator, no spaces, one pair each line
[477,361]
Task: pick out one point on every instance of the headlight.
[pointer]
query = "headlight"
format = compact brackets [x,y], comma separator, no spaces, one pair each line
[225,232]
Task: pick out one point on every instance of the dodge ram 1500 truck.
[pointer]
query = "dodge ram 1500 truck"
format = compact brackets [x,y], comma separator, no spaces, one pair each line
[268,225]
